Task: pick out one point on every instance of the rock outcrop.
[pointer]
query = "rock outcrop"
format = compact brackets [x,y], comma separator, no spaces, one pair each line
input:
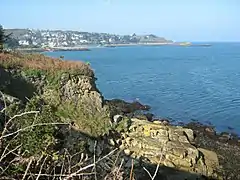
[170,146]
[81,90]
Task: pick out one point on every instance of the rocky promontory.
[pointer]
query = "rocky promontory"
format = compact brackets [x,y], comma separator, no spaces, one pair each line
[56,124]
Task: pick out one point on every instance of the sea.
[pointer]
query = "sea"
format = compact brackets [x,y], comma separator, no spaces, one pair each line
[182,83]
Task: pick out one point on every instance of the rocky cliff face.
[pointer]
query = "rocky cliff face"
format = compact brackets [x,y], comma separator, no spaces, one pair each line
[76,88]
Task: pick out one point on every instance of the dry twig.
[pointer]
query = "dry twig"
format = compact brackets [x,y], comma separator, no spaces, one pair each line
[28,127]
[155,173]
[39,174]
[28,166]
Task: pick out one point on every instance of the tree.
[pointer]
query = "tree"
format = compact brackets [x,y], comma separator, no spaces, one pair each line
[2,38]
[11,43]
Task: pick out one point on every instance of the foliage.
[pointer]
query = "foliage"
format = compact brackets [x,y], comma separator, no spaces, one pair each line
[11,43]
[41,62]
[51,150]
[37,138]
[2,38]
[33,72]
[6,40]
[93,124]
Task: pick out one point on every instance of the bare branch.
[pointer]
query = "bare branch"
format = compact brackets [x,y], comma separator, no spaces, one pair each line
[91,165]
[63,175]
[4,155]
[63,164]
[28,127]
[10,163]
[131,172]
[94,159]
[120,166]
[149,174]
[107,155]
[155,173]
[17,115]
[5,106]
[39,174]
[28,166]
[4,100]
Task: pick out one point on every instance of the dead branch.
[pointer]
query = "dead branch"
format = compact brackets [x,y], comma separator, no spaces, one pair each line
[94,160]
[15,116]
[4,155]
[28,127]
[91,165]
[61,175]
[131,172]
[39,174]
[155,173]
[28,166]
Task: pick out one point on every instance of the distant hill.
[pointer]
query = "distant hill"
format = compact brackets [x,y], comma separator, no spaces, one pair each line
[60,38]
[16,33]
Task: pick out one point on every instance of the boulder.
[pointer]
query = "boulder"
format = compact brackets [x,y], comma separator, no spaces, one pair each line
[168,145]
[119,106]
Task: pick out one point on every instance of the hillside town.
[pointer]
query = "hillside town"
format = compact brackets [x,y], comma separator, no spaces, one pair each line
[59,38]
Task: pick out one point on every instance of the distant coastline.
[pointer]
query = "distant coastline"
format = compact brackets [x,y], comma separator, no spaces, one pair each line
[88,48]
[158,44]
[30,40]
[53,49]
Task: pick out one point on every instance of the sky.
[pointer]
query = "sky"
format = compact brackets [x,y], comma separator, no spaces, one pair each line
[178,20]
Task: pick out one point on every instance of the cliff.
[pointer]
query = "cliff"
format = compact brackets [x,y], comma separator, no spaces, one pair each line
[52,109]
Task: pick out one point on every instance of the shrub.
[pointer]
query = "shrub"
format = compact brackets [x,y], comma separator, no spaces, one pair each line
[41,62]
[93,124]
[33,139]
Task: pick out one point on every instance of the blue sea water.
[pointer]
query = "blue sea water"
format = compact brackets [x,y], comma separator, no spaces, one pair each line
[181,83]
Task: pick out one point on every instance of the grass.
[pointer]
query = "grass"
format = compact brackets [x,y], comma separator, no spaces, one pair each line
[40,62]
[87,120]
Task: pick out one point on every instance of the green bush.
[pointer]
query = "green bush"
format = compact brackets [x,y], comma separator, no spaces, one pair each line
[92,123]
[36,139]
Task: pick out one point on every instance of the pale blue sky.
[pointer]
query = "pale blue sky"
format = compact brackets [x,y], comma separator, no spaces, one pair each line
[180,20]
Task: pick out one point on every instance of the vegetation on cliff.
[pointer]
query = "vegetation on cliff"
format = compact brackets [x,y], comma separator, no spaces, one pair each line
[47,115]
[54,123]
[38,63]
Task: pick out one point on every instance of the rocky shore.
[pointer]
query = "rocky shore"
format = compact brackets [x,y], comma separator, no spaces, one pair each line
[56,124]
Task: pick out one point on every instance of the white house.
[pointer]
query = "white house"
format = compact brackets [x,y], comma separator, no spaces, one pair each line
[83,41]
[23,42]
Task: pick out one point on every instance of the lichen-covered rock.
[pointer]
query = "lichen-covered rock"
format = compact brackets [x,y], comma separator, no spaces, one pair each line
[170,146]
[81,90]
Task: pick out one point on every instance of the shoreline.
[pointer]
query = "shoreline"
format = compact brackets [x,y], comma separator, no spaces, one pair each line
[53,49]
[89,47]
